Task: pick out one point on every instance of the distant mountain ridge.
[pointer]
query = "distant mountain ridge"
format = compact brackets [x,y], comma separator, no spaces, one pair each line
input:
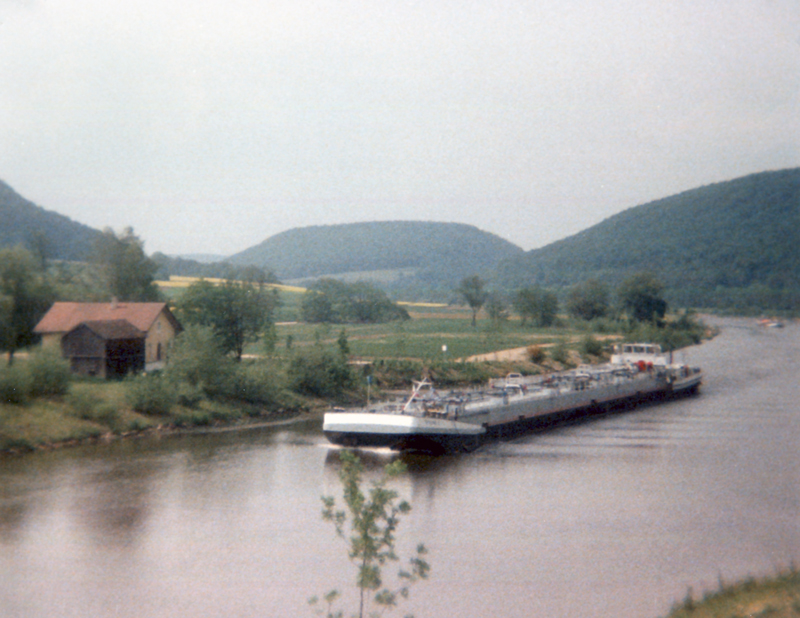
[436,253]
[730,244]
[716,245]
[59,237]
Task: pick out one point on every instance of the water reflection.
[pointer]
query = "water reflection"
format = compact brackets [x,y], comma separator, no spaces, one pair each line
[113,503]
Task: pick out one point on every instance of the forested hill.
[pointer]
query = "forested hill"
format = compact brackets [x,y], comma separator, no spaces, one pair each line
[734,243]
[42,231]
[431,253]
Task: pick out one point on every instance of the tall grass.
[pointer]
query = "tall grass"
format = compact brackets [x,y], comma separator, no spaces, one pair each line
[777,596]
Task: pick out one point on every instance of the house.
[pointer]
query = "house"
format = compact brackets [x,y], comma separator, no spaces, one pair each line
[105,348]
[152,320]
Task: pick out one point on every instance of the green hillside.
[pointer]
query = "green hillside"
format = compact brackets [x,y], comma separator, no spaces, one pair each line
[731,244]
[422,254]
[42,231]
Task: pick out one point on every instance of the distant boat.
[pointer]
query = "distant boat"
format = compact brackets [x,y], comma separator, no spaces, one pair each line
[771,323]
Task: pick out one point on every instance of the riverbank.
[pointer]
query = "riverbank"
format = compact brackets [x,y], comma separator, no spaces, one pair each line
[89,409]
[97,411]
[773,597]
[207,392]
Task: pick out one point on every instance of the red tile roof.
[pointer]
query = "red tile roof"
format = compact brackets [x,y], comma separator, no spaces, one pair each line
[63,317]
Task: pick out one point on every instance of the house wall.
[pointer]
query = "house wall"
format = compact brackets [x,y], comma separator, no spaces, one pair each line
[159,338]
[51,340]
[85,351]
[88,366]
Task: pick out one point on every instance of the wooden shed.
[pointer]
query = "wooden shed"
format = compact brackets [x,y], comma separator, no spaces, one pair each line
[105,348]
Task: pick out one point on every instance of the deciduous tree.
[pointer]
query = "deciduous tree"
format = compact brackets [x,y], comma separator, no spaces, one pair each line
[640,296]
[334,301]
[536,304]
[496,307]
[128,272]
[25,296]
[473,290]
[237,312]
[588,300]
[368,525]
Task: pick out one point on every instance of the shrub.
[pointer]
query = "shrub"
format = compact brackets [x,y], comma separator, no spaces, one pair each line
[535,354]
[591,346]
[15,384]
[559,353]
[252,383]
[83,403]
[319,374]
[395,373]
[151,394]
[445,374]
[197,360]
[49,373]
[188,395]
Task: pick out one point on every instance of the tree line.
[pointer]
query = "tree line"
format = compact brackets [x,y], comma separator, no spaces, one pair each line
[640,297]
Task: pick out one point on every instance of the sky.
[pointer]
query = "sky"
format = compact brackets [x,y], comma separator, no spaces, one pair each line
[211,125]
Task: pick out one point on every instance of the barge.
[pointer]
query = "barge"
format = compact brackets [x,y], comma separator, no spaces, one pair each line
[430,421]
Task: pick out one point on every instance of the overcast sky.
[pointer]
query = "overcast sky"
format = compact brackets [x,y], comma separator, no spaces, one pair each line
[210,125]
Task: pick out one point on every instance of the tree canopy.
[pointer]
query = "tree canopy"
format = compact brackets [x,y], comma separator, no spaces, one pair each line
[641,296]
[128,272]
[25,296]
[237,312]
[588,300]
[334,301]
[473,289]
[537,305]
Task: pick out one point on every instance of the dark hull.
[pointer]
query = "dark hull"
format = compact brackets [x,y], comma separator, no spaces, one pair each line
[428,443]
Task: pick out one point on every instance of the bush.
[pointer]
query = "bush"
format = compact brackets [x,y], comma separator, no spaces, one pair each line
[591,346]
[604,325]
[151,394]
[49,373]
[252,383]
[83,403]
[188,395]
[319,374]
[396,373]
[15,384]
[445,374]
[197,366]
[535,354]
[559,353]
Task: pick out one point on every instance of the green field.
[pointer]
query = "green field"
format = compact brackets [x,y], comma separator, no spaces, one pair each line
[423,337]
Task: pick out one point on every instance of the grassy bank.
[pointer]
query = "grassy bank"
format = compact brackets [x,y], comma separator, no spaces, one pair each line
[770,597]
[99,410]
